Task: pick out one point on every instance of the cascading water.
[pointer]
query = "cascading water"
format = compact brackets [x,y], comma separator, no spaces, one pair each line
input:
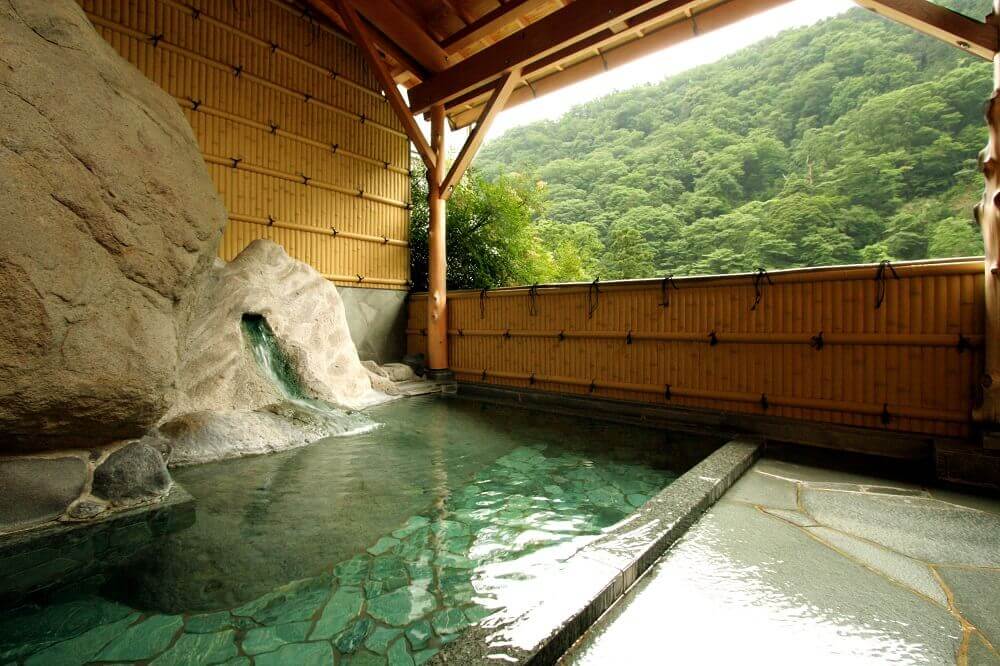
[274,363]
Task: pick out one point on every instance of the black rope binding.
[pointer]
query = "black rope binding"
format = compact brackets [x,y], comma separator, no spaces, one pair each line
[666,393]
[712,339]
[963,344]
[880,278]
[885,417]
[628,337]
[271,220]
[334,74]
[817,342]
[758,286]
[156,39]
[664,290]
[533,300]
[593,298]
[482,302]
[334,231]
[764,404]
[361,278]
[484,376]
[461,333]
[305,179]
[306,97]
[273,126]
[195,103]
[593,385]
[531,379]
[334,147]
[561,336]
[195,13]
[237,70]
[274,48]
[506,335]
[236,162]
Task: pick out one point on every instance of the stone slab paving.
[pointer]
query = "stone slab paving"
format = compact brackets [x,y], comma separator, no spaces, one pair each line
[802,565]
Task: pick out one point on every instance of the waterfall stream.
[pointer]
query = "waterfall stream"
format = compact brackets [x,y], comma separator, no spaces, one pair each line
[276,366]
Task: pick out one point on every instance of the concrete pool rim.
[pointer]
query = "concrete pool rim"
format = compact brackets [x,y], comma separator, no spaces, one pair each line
[600,573]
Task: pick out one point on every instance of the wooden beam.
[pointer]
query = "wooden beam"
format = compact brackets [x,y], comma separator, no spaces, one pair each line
[400,28]
[653,40]
[556,31]
[391,49]
[437,257]
[987,213]
[937,21]
[490,23]
[359,31]
[475,140]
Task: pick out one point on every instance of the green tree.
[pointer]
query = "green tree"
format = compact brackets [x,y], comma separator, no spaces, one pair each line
[490,237]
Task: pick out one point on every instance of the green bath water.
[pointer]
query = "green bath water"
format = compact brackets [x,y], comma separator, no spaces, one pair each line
[378,548]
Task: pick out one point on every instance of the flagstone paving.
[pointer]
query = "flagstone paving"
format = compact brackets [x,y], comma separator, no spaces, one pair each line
[396,603]
[802,565]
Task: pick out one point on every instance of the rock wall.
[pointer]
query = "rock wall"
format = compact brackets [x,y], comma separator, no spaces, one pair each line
[108,221]
[121,340]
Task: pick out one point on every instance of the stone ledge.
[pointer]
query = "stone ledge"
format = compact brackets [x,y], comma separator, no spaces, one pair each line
[600,573]
[62,553]
[883,443]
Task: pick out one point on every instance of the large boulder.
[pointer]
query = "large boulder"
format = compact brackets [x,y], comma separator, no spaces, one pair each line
[305,313]
[108,219]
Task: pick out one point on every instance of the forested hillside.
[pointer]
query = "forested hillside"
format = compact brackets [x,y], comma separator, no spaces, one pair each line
[851,140]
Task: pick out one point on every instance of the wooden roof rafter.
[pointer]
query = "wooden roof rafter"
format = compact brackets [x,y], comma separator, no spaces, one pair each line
[362,36]
[648,32]
[940,22]
[485,26]
[559,30]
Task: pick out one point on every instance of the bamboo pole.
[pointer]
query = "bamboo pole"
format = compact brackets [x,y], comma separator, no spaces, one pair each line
[988,215]
[437,316]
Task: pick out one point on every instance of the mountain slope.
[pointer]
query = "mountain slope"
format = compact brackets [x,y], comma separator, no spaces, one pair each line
[854,139]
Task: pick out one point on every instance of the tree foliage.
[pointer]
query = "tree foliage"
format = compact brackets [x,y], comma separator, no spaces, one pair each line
[854,139]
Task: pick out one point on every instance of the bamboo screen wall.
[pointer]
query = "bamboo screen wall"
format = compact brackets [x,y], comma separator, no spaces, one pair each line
[815,347]
[293,128]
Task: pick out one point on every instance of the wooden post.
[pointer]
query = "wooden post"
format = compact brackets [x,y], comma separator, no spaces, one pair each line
[988,216]
[437,289]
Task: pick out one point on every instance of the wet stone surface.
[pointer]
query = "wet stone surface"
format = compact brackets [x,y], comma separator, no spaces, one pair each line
[478,555]
[801,565]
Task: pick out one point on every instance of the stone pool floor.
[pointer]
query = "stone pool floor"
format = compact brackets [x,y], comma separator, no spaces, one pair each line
[803,565]
[482,554]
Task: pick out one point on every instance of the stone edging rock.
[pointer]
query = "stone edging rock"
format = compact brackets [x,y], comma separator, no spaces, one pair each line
[77,485]
[599,574]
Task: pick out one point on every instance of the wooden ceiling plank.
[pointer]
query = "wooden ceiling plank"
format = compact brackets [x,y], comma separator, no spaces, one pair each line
[460,11]
[359,31]
[550,34]
[940,22]
[493,107]
[490,23]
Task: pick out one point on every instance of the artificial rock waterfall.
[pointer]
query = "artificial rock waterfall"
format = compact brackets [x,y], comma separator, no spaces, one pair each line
[122,343]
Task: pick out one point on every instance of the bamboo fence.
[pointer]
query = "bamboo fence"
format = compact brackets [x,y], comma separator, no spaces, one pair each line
[293,128]
[896,347]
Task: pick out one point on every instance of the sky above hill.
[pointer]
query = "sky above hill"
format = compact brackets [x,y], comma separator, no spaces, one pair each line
[656,67]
